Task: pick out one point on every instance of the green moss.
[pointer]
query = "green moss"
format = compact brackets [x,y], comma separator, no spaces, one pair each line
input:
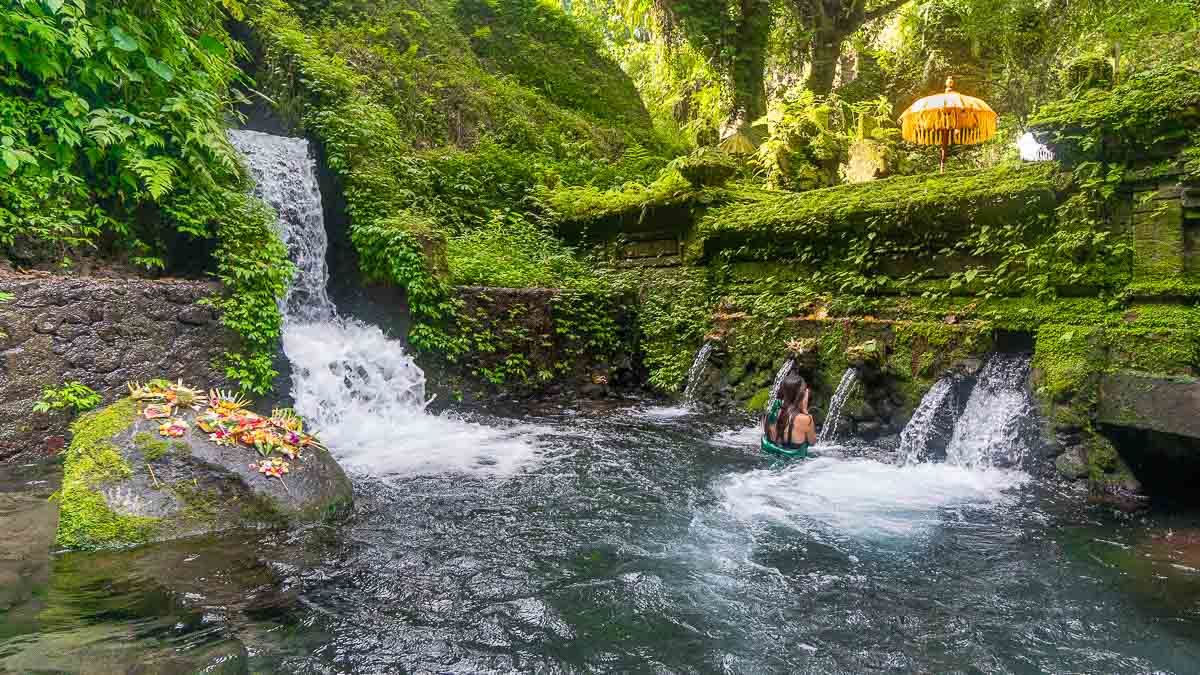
[542,48]
[592,210]
[1105,466]
[1154,350]
[1139,116]
[151,446]
[426,138]
[907,210]
[211,505]
[922,350]
[1069,358]
[85,519]
[707,167]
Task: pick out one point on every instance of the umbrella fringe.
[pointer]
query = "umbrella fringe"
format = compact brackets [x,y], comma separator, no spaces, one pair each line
[957,126]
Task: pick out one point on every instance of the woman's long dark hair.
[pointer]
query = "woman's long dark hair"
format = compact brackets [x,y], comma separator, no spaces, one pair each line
[791,396]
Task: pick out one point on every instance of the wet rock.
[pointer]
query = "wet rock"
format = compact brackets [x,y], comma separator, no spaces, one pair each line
[125,484]
[1072,464]
[195,315]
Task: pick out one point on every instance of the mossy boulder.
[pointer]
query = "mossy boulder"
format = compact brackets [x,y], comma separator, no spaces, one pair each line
[124,484]
[707,167]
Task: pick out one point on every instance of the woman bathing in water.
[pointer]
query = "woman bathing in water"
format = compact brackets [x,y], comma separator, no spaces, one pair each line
[788,429]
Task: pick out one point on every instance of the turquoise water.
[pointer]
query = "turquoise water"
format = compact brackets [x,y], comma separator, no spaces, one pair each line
[633,539]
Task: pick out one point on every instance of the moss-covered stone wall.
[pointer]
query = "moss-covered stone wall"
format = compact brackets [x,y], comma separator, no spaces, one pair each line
[538,341]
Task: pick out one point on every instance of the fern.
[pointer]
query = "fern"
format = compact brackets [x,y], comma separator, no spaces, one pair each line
[157,174]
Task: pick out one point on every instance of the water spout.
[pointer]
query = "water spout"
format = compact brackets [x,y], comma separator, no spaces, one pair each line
[829,429]
[783,372]
[696,371]
[936,413]
[991,430]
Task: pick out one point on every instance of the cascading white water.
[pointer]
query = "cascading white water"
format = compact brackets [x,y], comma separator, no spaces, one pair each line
[783,372]
[990,430]
[285,177]
[936,414]
[361,391]
[829,429]
[695,372]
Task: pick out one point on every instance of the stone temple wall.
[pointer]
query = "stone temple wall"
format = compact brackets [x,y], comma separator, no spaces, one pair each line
[103,333]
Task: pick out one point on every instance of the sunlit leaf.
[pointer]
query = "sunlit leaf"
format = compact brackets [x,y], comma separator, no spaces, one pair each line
[212,45]
[123,41]
[161,69]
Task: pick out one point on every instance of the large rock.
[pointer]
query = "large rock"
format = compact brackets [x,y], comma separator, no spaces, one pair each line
[1151,402]
[125,484]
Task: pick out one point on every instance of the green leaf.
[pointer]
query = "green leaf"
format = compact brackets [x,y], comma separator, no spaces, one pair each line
[124,41]
[1067,337]
[213,46]
[10,159]
[161,69]
[54,5]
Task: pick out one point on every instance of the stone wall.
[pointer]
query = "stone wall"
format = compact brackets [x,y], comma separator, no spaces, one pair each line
[100,332]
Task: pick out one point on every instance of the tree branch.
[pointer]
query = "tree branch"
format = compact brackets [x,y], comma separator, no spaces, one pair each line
[882,10]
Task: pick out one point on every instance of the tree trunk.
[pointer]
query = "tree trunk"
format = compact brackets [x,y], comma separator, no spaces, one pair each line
[826,51]
[750,60]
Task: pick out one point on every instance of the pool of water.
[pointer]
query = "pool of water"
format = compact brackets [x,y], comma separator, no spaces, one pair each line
[639,539]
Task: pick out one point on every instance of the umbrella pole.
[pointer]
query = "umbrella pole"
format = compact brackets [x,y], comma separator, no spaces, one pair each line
[945,142]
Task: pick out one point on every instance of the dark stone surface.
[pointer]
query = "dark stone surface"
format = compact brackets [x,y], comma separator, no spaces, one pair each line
[102,332]
[1153,403]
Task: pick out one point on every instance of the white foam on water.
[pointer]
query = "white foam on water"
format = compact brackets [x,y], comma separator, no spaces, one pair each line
[934,414]
[738,438]
[663,412]
[367,398]
[991,431]
[863,498]
[360,390]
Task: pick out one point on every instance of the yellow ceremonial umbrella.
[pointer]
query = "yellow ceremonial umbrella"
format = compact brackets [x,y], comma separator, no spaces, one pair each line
[948,118]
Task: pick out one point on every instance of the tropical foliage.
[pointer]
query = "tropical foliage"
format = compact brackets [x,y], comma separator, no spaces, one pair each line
[112,141]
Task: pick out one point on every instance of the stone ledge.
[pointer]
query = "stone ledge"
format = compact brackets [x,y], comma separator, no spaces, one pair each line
[1151,402]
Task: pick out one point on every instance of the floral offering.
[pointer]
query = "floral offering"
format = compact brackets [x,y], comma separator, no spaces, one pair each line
[173,428]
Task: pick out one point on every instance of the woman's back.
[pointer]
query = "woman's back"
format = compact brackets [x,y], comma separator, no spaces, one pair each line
[787,425]
[796,433]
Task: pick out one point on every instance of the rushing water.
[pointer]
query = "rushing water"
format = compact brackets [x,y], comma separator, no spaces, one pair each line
[934,416]
[612,539]
[993,427]
[696,372]
[356,386]
[638,545]
[783,372]
[836,403]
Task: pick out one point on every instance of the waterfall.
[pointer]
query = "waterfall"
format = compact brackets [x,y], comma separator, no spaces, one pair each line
[935,414]
[783,372]
[359,389]
[695,372]
[991,430]
[829,429]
